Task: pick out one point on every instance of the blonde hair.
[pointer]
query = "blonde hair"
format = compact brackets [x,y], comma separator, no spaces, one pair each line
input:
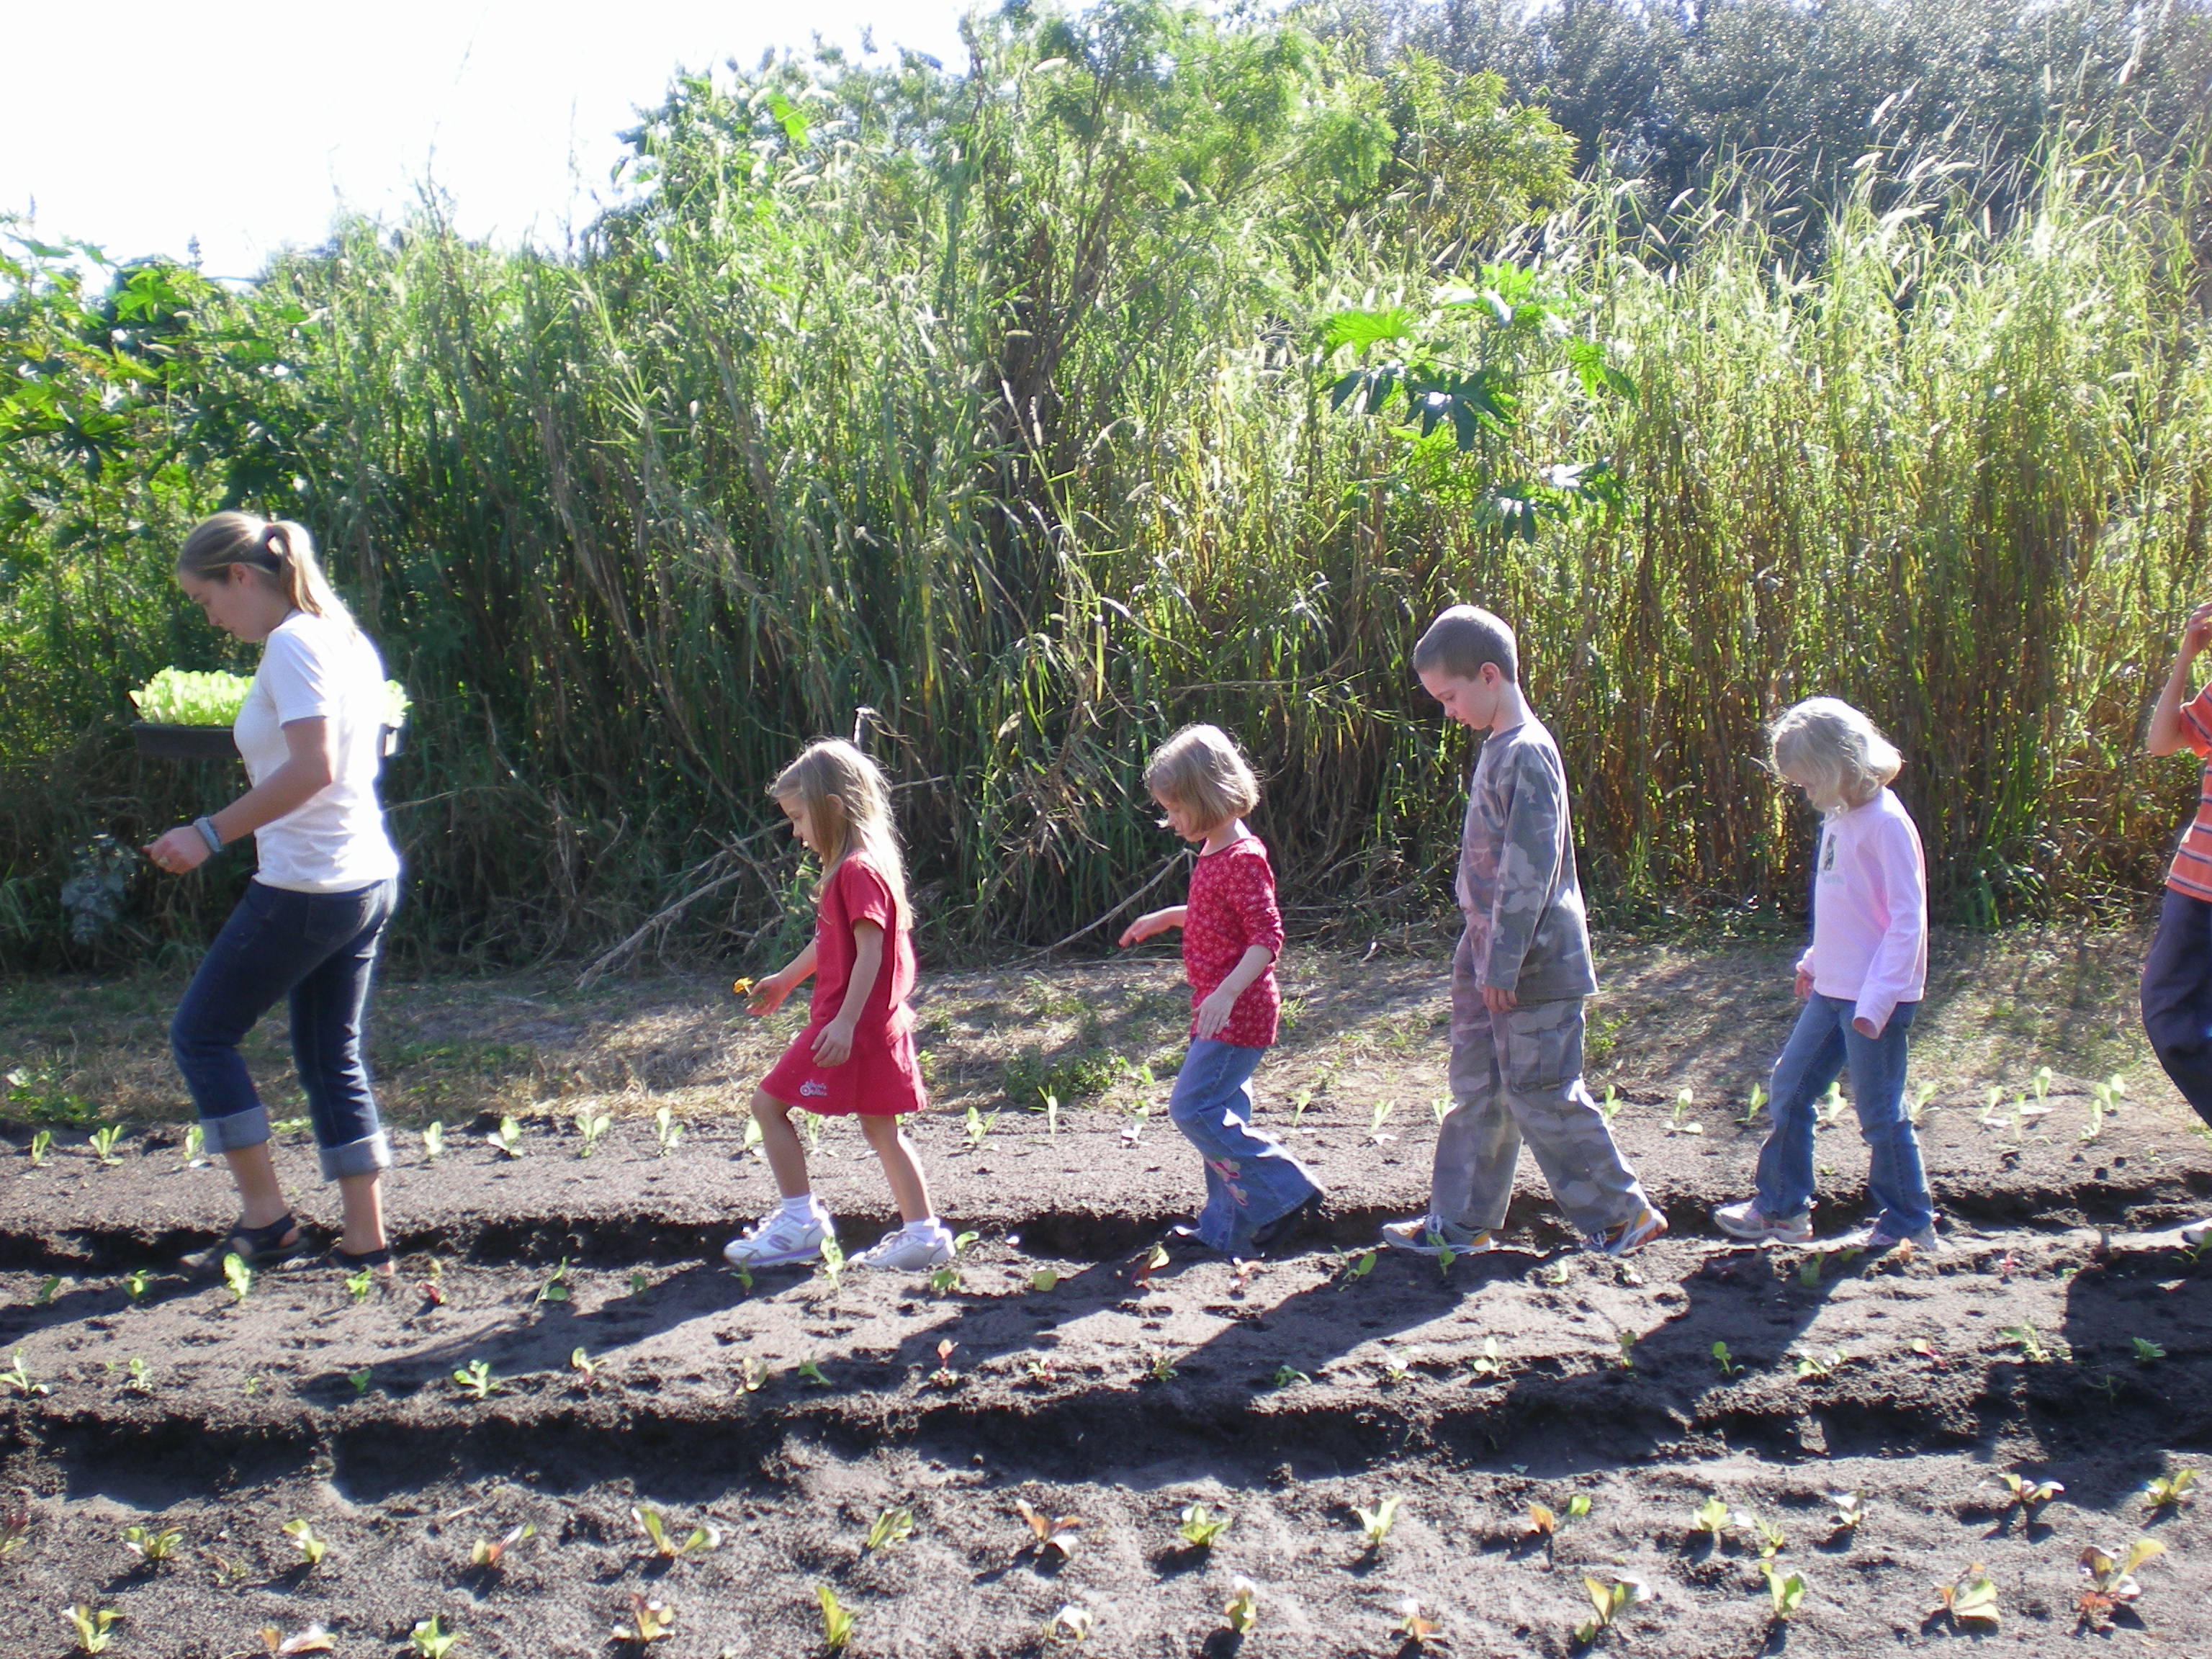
[1834,752]
[848,800]
[1200,767]
[275,547]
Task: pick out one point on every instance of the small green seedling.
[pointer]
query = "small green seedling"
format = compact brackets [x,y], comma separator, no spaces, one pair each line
[1809,1270]
[135,1375]
[1051,1115]
[891,1526]
[1765,1536]
[1972,1600]
[430,1641]
[237,1276]
[1625,1342]
[103,1144]
[1725,1360]
[2147,1351]
[1845,1509]
[44,1295]
[1199,1526]
[1609,1108]
[947,1277]
[18,1378]
[1375,1524]
[1830,1106]
[195,1146]
[135,1283]
[812,1373]
[2112,1582]
[475,1379]
[433,1148]
[1044,1278]
[649,1621]
[2167,1491]
[585,1367]
[1755,1105]
[2029,1495]
[1785,1590]
[1054,1533]
[1072,1623]
[360,1380]
[1243,1607]
[745,1276]
[640,1282]
[979,1127]
[94,1626]
[507,1138]
[1811,1367]
[489,1553]
[555,1289]
[1160,1367]
[1440,1108]
[1289,1375]
[1489,1366]
[665,1543]
[152,1545]
[1608,1602]
[590,1126]
[1679,1123]
[2033,1349]
[1579,1506]
[833,1261]
[1711,1517]
[1301,1102]
[41,1142]
[311,1549]
[1352,1268]
[358,1286]
[836,1623]
[666,1130]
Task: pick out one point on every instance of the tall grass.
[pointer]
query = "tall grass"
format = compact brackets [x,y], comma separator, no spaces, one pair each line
[994,432]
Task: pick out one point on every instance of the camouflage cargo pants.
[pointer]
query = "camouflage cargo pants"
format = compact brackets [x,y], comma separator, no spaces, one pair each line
[1518,1076]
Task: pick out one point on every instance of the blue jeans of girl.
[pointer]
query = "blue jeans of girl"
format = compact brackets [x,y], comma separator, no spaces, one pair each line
[1250,1179]
[317,951]
[1820,1050]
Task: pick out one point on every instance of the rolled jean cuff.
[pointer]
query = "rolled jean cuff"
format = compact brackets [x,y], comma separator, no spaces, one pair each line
[235,1131]
[356,1157]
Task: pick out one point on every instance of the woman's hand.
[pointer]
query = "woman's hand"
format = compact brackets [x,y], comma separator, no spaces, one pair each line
[833,1046]
[182,849]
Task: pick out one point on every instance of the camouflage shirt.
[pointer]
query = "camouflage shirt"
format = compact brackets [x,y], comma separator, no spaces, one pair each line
[1525,926]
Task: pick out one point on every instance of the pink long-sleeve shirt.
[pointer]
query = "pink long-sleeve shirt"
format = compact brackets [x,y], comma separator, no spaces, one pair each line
[1870,911]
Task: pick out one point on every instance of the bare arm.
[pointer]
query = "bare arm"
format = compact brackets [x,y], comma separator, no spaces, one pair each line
[309,767]
[1154,921]
[2166,735]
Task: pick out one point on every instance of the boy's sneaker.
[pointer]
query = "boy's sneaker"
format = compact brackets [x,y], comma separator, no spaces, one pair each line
[1748,1220]
[917,1246]
[1430,1235]
[778,1240]
[1632,1234]
[2195,1232]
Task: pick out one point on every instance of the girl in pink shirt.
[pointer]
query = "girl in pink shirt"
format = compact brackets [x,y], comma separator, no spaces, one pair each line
[1861,979]
[1256,1193]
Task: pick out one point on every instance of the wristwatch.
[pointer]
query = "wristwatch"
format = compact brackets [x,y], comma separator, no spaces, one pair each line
[209,833]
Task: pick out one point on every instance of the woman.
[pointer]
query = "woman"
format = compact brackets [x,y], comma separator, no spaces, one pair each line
[328,878]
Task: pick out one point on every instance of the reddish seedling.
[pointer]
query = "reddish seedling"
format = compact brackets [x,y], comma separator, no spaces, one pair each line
[489,1553]
[1048,1532]
[2112,1584]
[314,1639]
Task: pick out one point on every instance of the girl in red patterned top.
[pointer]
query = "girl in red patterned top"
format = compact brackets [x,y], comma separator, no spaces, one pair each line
[856,1056]
[1257,1194]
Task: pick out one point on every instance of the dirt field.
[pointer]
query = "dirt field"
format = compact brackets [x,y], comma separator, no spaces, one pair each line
[2057,1337]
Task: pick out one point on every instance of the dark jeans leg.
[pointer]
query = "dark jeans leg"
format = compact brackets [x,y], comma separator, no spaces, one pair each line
[2177,997]
[328,1009]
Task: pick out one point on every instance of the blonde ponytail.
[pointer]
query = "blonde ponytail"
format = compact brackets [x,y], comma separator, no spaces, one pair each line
[276,547]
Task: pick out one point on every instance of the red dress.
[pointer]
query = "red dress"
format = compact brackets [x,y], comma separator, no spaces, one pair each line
[883,1077]
[1232,906]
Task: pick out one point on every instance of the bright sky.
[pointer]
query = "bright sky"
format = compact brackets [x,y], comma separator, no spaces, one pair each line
[137,124]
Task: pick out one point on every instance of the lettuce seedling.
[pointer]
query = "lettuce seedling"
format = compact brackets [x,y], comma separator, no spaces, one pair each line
[358,1286]
[431,1641]
[1243,1607]
[1809,1270]
[1725,1360]
[195,1146]
[1609,1108]
[2147,1351]
[94,1627]
[41,1141]
[1161,1368]
[2033,1349]
[2112,1582]
[18,1378]
[475,1379]
[1579,1506]
[753,1375]
[1767,1536]
[1044,1278]
[979,1129]
[1072,1623]
[238,1276]
[891,1526]
[314,1639]
[489,1553]
[1150,1263]
[360,1380]
[640,1283]
[134,1376]
[836,1623]
[1350,1267]
[1608,1603]
[665,1543]
[810,1372]
[151,1545]
[1785,1590]
[302,1534]
[1711,1516]
[1199,1526]
[585,1367]
[1846,1510]
[1755,1105]
[1680,1123]
[1288,1376]
[1413,1626]
[434,1142]
[1625,1340]
[1489,1366]
[666,1130]
[833,1261]
[44,1295]
[1971,1600]
[1051,1115]
[649,1621]
[135,1283]
[945,1376]
[507,1138]
[2166,1491]
[1055,1533]
[1811,1367]
[555,1289]
[1375,1524]
[1377,1119]
[2029,1495]
[103,1144]
[590,1126]
[947,1279]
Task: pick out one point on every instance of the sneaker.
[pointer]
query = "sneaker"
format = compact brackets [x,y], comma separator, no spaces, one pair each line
[1748,1220]
[1878,1237]
[2195,1232]
[911,1249]
[1275,1234]
[1632,1234]
[778,1240]
[1430,1235]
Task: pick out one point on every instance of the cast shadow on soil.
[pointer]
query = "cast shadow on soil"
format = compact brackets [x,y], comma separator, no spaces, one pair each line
[2110,1416]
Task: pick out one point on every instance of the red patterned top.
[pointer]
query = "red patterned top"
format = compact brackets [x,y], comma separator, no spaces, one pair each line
[2191,872]
[1232,906]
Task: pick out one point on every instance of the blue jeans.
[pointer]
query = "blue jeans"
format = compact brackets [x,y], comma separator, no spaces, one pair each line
[318,950]
[2177,997]
[1250,1179]
[1818,1052]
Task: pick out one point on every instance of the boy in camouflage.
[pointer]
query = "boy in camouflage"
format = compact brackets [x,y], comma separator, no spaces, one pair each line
[1519,976]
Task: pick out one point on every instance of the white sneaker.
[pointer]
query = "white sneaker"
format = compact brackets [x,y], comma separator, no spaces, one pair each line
[1748,1220]
[1876,1238]
[1429,1235]
[2194,1233]
[777,1240]
[911,1249]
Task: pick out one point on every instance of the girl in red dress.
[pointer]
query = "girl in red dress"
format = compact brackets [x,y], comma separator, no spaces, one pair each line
[856,1056]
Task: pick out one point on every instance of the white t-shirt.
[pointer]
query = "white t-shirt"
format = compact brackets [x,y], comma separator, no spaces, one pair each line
[319,667]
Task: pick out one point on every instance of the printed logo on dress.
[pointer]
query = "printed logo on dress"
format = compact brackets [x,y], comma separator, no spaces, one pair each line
[814,1088]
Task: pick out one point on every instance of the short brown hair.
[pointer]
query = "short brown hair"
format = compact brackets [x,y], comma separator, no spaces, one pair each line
[1202,769]
[1461,640]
